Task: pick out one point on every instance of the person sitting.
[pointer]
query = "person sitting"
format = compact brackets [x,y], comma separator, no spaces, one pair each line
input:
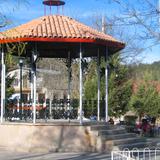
[153,127]
[145,127]
[138,128]
[111,121]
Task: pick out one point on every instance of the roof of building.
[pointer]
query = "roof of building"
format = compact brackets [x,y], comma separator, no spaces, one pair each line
[55,27]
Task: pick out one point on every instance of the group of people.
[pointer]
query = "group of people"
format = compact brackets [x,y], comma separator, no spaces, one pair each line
[147,126]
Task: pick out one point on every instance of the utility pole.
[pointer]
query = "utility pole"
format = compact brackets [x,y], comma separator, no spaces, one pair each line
[106,71]
[103,24]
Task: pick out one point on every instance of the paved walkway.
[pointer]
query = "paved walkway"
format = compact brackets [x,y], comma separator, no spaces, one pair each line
[8,155]
[5,154]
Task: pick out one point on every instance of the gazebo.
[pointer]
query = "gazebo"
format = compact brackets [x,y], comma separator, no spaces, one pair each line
[58,36]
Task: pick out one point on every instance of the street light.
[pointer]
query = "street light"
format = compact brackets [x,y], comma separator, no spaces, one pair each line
[20,100]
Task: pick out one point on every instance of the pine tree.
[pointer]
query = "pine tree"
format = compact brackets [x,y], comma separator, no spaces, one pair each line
[120,89]
[119,86]
[146,100]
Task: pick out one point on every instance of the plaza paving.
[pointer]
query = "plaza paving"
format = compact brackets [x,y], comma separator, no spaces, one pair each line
[5,154]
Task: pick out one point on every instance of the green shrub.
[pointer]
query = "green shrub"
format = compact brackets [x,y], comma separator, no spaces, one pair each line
[130,119]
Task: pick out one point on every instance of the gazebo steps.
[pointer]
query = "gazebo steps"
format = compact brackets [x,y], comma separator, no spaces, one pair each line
[102,127]
[112,131]
[116,137]
[128,141]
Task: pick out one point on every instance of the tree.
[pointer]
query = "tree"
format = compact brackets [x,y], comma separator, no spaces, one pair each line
[119,86]
[146,100]
[142,13]
[9,88]
[10,48]
[12,5]
[90,83]
[90,89]
[137,23]
[145,71]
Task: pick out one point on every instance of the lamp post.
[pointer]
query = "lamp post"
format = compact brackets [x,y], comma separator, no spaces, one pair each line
[20,100]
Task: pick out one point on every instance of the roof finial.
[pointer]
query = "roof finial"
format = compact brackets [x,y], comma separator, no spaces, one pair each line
[51,3]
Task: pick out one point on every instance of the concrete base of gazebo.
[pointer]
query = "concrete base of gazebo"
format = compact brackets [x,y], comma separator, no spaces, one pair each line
[60,136]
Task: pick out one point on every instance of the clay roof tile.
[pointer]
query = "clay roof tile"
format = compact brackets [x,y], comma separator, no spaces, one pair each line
[56,26]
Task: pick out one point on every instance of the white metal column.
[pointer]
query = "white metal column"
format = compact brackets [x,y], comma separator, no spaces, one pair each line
[34,58]
[34,97]
[106,80]
[31,86]
[98,83]
[50,108]
[2,87]
[80,84]
[69,79]
[4,90]
[31,80]
[32,90]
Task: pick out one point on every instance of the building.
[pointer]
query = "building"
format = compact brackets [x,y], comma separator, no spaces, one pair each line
[52,82]
[26,87]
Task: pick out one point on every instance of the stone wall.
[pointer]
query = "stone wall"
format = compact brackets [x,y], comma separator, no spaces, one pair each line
[49,138]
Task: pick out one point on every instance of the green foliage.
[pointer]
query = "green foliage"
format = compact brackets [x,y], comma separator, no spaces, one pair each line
[120,89]
[146,100]
[90,84]
[130,119]
[11,62]
[9,88]
[119,85]
[11,48]
[145,71]
[90,89]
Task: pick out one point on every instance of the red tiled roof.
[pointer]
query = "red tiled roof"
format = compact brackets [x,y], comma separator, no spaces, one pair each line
[56,26]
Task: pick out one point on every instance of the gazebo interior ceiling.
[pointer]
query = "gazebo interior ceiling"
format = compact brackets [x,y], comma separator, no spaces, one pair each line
[60,50]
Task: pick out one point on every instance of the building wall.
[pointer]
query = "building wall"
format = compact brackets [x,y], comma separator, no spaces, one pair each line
[49,81]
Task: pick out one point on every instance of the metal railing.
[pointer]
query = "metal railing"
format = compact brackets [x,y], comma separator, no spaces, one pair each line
[117,155]
[136,154]
[52,109]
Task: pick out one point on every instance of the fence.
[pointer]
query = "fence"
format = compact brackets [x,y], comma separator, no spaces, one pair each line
[53,109]
[136,154]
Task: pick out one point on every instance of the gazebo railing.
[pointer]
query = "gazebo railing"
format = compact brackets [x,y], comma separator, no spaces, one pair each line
[55,109]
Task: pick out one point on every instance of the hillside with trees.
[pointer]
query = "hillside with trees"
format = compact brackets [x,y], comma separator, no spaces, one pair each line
[122,95]
[145,71]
